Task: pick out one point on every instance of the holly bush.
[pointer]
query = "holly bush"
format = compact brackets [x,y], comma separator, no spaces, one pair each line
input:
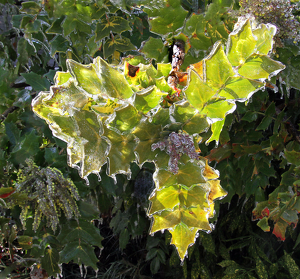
[150,139]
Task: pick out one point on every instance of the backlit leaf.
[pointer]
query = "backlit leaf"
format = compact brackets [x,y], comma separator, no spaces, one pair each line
[241,44]
[264,67]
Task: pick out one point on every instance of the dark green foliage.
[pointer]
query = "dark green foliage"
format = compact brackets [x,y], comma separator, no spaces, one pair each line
[50,216]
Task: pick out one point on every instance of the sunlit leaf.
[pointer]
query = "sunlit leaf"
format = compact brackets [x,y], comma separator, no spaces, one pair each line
[241,44]
[264,67]
[121,152]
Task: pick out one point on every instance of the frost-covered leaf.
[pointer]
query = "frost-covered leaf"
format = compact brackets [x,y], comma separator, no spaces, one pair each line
[241,44]
[259,66]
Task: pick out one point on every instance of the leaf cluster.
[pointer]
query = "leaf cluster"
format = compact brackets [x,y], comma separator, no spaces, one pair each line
[257,156]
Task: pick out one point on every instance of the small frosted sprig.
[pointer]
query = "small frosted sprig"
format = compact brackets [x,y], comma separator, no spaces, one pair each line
[175,146]
[49,192]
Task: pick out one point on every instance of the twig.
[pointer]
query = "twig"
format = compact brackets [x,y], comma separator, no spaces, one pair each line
[7,112]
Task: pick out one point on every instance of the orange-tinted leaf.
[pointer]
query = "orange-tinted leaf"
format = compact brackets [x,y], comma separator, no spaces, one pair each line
[279,229]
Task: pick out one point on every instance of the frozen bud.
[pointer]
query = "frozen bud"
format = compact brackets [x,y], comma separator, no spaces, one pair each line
[176,145]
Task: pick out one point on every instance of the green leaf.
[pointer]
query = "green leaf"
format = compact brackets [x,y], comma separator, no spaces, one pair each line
[26,148]
[13,133]
[192,122]
[113,83]
[124,238]
[263,224]
[182,238]
[80,253]
[50,261]
[188,175]
[181,208]
[155,48]
[195,28]
[118,43]
[198,93]
[121,153]
[56,26]
[82,232]
[24,50]
[59,44]
[25,241]
[216,129]
[126,118]
[69,25]
[168,18]
[239,88]
[81,130]
[259,66]
[113,24]
[218,68]
[148,99]
[293,157]
[87,210]
[241,44]
[37,82]
[264,124]
[53,158]
[169,197]
[155,265]
[218,109]
[148,133]
[33,27]
[264,35]
[30,7]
